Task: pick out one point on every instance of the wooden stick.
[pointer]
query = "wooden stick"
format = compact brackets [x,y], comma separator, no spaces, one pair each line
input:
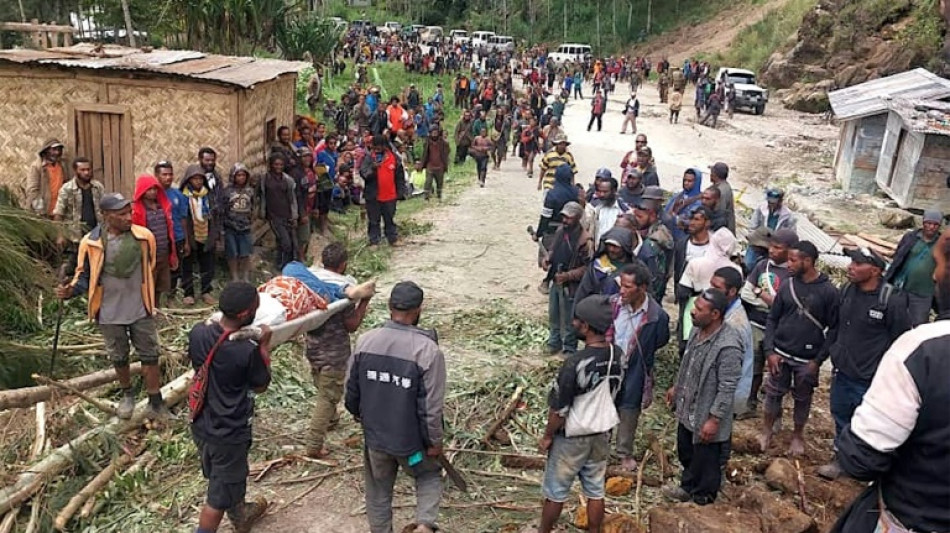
[505,475]
[801,486]
[98,404]
[39,441]
[30,480]
[319,476]
[660,453]
[6,526]
[505,415]
[298,497]
[492,452]
[27,396]
[33,525]
[87,492]
[636,494]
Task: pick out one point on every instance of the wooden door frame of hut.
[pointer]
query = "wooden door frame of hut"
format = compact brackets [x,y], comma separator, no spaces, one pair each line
[126,150]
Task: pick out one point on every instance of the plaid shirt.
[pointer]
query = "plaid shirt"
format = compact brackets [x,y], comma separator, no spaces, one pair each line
[69,206]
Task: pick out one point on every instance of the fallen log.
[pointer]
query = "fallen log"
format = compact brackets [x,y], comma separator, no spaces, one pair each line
[505,415]
[281,333]
[99,404]
[90,490]
[27,396]
[30,481]
[527,462]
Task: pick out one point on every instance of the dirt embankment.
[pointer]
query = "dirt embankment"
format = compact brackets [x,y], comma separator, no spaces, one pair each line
[846,42]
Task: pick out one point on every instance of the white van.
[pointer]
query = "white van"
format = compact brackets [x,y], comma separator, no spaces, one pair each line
[458,36]
[480,38]
[431,33]
[501,43]
[575,53]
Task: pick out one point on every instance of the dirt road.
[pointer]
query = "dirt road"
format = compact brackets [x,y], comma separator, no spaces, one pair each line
[478,249]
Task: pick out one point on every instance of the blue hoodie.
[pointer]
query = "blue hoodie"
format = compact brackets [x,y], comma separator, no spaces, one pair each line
[692,196]
[555,199]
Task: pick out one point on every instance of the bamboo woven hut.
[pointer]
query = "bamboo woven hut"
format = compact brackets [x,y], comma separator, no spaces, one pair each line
[126,108]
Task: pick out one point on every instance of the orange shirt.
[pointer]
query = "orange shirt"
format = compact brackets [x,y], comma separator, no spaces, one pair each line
[395,118]
[55,172]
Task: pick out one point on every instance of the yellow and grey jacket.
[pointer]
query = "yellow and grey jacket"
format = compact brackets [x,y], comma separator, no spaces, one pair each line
[92,259]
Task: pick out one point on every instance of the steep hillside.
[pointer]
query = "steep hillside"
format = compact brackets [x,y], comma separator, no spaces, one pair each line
[846,42]
[804,48]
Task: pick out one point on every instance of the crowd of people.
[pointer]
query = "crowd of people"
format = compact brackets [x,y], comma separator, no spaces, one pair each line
[611,254]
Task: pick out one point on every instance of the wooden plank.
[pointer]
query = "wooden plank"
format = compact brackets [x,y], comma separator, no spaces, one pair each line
[35,26]
[107,151]
[115,134]
[72,140]
[95,142]
[871,246]
[102,108]
[153,80]
[874,239]
[128,144]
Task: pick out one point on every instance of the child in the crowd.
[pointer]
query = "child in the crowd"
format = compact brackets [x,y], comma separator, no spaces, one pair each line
[237,216]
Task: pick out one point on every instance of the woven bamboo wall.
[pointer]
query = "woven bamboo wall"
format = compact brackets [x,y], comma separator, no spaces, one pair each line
[33,110]
[172,124]
[274,99]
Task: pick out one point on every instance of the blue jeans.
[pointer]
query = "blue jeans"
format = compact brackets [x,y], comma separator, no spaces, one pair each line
[561,333]
[846,396]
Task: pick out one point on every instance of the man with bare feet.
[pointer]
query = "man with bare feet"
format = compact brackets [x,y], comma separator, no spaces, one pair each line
[805,308]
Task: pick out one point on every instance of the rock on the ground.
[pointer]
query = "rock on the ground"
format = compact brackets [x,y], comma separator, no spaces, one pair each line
[779,514]
[897,219]
[781,475]
[807,97]
[618,486]
[620,523]
[715,518]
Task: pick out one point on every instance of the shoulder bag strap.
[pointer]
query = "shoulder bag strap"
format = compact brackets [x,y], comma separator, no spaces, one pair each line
[804,309]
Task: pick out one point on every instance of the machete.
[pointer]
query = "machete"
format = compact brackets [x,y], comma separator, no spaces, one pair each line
[452,473]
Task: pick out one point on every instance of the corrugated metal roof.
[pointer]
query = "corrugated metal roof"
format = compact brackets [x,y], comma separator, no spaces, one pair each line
[870,97]
[243,72]
[923,116]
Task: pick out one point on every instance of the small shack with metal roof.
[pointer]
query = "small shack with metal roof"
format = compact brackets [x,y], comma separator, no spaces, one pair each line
[871,141]
[127,108]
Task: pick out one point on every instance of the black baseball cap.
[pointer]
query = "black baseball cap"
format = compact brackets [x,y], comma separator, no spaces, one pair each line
[113,202]
[866,255]
[596,311]
[405,296]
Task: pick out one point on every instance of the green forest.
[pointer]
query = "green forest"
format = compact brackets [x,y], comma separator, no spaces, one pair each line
[253,26]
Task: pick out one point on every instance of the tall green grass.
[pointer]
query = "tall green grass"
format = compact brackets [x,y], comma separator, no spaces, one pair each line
[754,44]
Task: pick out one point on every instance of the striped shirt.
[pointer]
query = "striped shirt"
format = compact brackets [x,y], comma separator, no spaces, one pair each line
[549,164]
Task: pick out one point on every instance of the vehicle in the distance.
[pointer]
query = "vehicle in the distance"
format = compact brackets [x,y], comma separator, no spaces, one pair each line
[480,38]
[570,52]
[431,33]
[393,26]
[748,92]
[458,36]
[362,26]
[501,43]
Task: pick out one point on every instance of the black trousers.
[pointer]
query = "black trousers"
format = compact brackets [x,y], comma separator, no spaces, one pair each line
[461,152]
[286,242]
[202,254]
[598,118]
[385,210]
[702,474]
